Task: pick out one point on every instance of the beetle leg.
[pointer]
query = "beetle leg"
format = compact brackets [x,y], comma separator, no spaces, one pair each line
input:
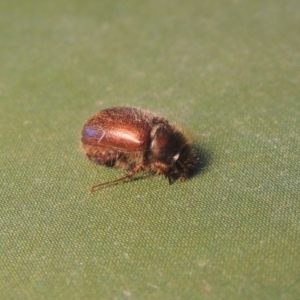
[130,174]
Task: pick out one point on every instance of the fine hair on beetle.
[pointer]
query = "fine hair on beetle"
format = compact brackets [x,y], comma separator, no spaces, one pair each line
[135,140]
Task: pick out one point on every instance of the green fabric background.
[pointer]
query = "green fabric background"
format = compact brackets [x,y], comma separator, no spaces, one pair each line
[225,71]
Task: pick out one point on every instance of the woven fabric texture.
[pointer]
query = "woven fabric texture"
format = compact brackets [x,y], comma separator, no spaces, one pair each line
[227,72]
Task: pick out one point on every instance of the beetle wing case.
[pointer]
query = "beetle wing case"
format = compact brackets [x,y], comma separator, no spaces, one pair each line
[118,129]
[118,136]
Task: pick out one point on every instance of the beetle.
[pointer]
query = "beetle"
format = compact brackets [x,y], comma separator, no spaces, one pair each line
[136,140]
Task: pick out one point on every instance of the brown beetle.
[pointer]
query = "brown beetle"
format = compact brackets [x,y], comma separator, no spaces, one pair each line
[136,139]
